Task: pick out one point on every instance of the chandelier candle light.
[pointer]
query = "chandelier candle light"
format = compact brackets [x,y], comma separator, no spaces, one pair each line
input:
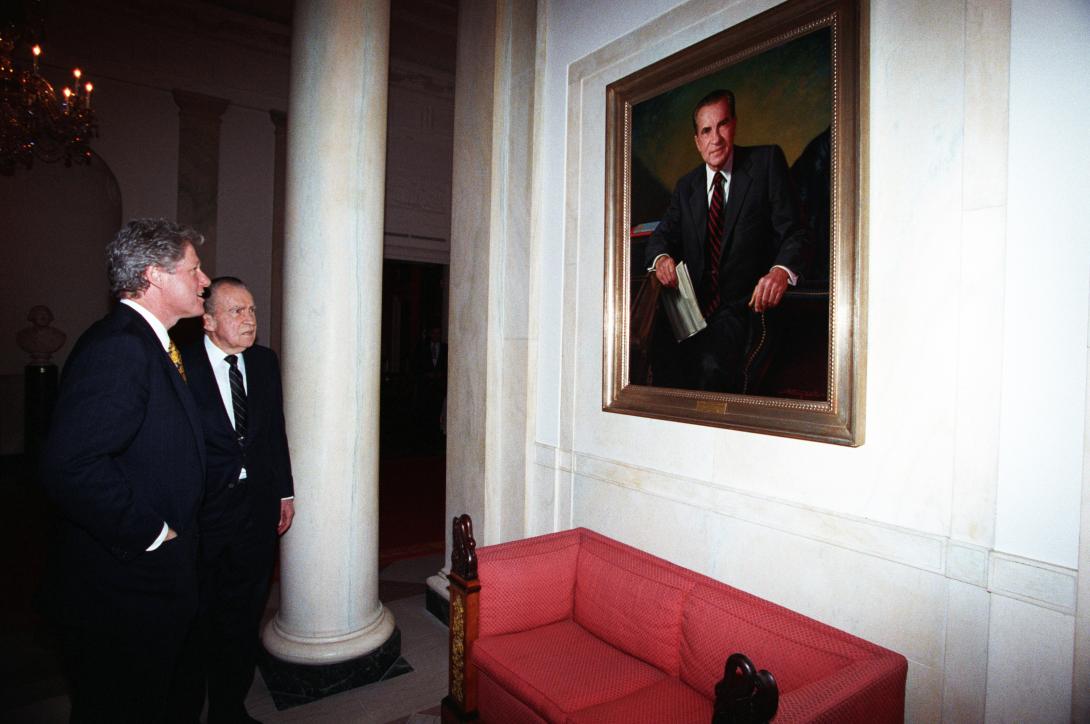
[34,122]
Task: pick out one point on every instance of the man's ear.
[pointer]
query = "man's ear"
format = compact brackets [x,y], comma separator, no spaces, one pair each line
[154,275]
[209,322]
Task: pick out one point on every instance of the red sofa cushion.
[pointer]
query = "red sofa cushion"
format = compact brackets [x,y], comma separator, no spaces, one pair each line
[559,668]
[576,627]
[631,599]
[720,621]
[666,701]
[527,583]
[498,706]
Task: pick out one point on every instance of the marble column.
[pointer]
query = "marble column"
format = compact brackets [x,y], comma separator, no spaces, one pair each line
[490,278]
[280,166]
[199,118]
[330,617]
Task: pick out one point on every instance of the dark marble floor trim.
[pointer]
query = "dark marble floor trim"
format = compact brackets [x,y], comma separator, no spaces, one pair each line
[295,684]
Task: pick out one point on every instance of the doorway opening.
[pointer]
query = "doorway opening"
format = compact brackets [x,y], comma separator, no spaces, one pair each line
[412,422]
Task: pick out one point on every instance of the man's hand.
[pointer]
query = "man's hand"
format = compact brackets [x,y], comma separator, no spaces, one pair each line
[287,512]
[666,271]
[769,290]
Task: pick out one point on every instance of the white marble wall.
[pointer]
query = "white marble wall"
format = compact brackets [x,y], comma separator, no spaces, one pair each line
[951,535]
[494,123]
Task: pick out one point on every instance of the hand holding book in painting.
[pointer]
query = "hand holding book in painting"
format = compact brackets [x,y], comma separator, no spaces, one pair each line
[682,308]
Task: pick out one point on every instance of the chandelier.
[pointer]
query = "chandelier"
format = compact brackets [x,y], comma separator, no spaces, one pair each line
[35,121]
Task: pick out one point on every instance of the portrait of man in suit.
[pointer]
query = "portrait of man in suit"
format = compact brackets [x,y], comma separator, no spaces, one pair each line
[124,465]
[248,502]
[781,104]
[734,220]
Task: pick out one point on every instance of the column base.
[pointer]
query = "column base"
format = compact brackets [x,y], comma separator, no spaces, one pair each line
[437,597]
[293,684]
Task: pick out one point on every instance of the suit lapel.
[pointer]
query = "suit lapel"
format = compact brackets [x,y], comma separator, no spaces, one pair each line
[698,207]
[254,401]
[203,383]
[190,405]
[740,180]
[167,365]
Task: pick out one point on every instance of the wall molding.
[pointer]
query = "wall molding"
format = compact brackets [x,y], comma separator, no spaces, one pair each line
[1035,582]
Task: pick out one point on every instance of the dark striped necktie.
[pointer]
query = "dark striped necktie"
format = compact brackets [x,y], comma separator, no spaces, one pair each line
[238,395]
[714,245]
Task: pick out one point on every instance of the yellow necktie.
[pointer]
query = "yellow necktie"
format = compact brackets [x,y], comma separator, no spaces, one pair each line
[176,358]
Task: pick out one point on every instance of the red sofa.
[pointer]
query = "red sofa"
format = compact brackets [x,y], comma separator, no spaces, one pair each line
[577,628]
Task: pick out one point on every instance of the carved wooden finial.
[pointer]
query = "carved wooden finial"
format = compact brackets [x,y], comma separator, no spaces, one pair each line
[463,555]
[745,695]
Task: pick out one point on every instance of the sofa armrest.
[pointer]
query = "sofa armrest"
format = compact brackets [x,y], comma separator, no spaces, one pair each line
[869,690]
[500,589]
[526,584]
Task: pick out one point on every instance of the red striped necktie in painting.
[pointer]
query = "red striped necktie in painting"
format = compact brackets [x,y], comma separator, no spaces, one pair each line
[714,245]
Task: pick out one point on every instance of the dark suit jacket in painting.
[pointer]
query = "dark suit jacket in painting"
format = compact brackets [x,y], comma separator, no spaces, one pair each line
[761,229]
[125,454]
[761,226]
[265,452]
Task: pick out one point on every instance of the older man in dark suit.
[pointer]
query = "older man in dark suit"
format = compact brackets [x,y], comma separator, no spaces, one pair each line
[124,464]
[249,501]
[734,221]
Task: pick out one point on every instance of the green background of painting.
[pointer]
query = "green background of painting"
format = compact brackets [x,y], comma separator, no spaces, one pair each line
[783,96]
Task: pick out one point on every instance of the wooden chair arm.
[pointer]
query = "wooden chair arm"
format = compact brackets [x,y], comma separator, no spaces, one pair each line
[460,703]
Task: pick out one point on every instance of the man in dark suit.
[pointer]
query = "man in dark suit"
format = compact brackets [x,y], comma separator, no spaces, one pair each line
[124,464]
[430,365]
[249,501]
[734,221]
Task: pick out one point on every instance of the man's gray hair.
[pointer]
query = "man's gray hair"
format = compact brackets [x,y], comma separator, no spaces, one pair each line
[210,292]
[142,243]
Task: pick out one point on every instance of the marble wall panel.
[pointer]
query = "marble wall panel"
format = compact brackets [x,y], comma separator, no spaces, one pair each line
[1047,282]
[965,666]
[1029,663]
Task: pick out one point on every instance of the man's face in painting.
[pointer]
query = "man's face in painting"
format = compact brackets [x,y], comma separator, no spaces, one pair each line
[715,133]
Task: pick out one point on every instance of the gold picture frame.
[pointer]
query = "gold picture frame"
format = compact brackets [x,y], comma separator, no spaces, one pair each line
[792,62]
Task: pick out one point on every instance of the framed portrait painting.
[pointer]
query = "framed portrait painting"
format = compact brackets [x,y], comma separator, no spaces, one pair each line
[741,306]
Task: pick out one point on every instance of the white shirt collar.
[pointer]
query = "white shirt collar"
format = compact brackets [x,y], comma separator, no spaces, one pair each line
[158,327]
[217,356]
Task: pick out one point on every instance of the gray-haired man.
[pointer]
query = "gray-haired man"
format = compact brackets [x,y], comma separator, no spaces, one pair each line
[124,464]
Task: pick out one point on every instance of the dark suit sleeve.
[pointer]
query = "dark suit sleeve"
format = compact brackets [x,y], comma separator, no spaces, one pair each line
[793,242]
[101,407]
[280,460]
[666,238]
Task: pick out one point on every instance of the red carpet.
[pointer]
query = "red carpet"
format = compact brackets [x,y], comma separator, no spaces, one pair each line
[412,501]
